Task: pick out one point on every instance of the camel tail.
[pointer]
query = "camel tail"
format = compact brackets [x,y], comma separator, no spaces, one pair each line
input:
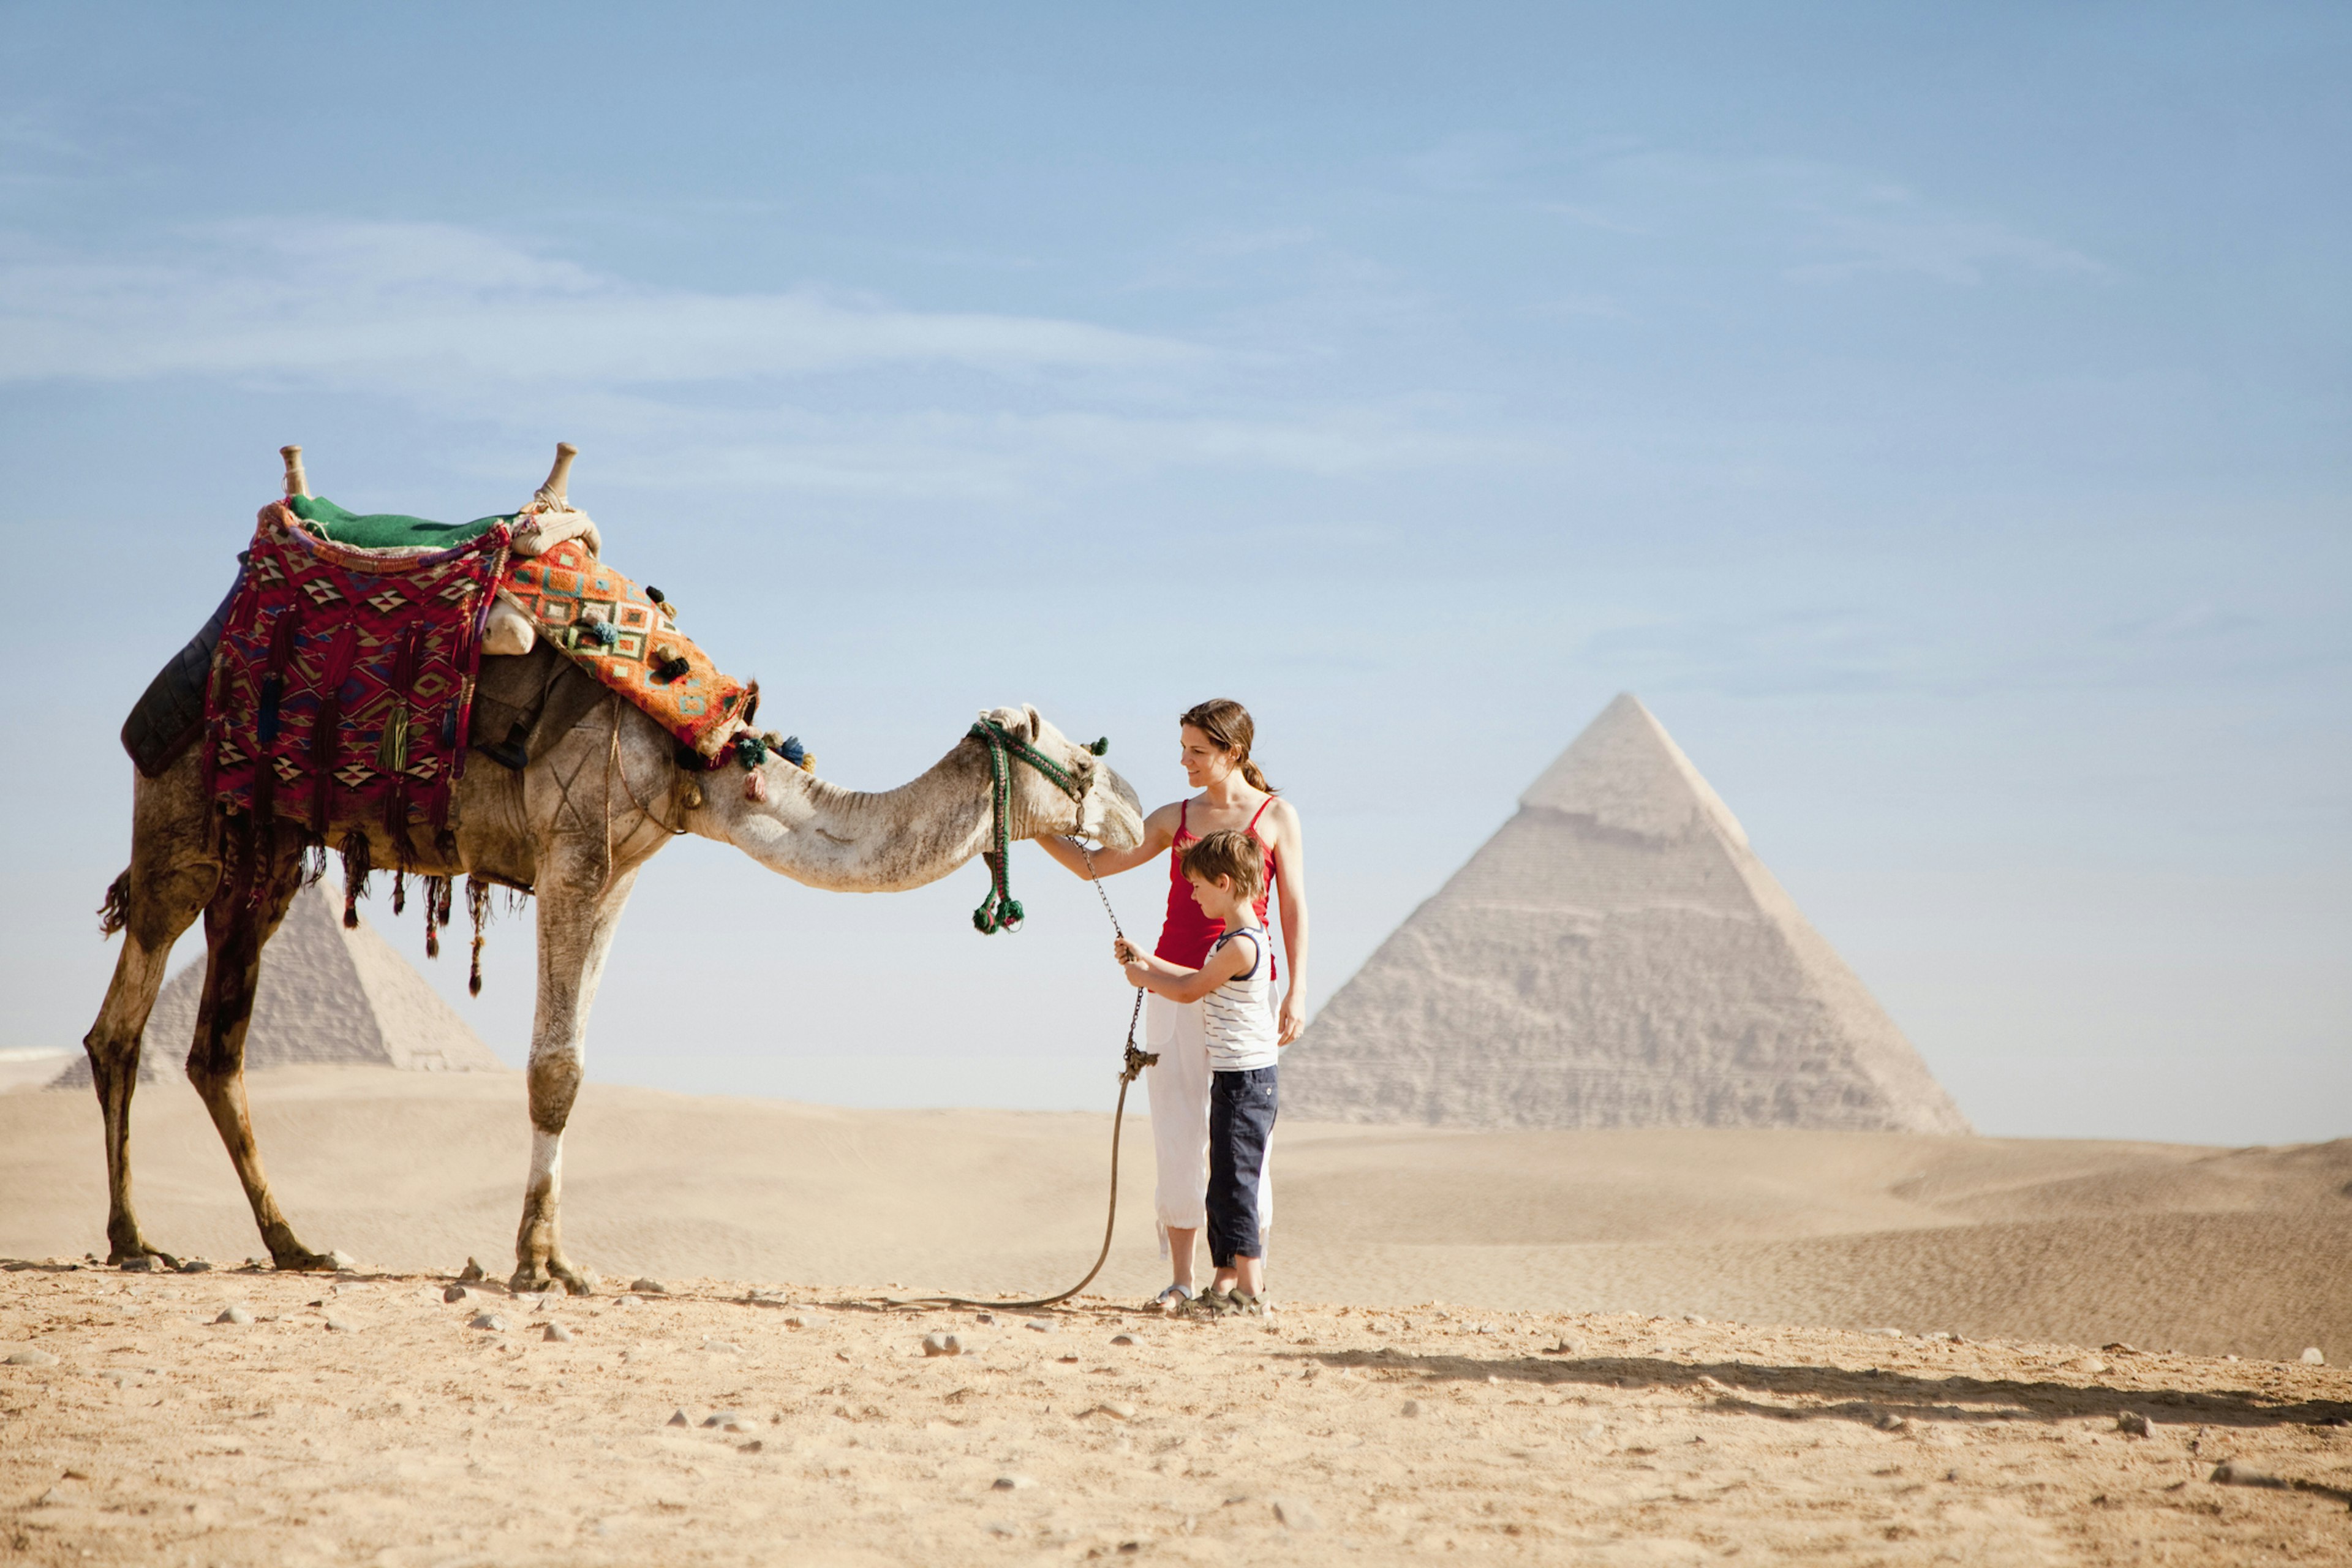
[115,912]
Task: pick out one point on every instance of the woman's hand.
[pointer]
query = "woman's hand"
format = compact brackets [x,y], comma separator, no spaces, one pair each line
[1292,1017]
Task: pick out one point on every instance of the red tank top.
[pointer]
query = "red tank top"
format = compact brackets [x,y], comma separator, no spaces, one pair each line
[1187,935]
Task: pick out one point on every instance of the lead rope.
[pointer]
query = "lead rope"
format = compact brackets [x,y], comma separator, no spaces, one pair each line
[1132,1063]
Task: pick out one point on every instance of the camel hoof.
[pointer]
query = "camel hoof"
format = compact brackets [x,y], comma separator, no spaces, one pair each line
[299,1262]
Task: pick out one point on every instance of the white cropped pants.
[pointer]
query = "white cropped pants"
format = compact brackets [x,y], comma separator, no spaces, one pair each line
[1179,1085]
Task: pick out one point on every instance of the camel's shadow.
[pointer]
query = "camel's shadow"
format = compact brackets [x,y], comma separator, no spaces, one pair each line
[1870,1395]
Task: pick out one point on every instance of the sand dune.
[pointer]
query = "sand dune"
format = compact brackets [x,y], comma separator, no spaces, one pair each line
[2245,1252]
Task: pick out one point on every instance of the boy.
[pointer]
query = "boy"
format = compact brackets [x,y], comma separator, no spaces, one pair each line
[1226,870]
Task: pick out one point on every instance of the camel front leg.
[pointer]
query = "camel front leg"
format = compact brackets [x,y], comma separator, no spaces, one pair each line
[577,918]
[237,921]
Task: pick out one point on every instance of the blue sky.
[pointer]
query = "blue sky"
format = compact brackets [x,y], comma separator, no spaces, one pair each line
[1937,415]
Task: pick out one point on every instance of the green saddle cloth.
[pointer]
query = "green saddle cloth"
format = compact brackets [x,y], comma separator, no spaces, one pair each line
[385,530]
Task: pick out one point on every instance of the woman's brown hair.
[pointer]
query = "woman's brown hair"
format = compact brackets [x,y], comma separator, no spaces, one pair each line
[1226,724]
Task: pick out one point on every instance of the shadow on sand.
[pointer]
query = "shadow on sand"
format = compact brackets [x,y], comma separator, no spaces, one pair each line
[1871,1396]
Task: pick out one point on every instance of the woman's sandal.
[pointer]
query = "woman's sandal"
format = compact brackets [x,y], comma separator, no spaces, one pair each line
[1173,1300]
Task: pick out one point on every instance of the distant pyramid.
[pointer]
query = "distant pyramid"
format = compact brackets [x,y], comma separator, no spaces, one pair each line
[326,994]
[1615,956]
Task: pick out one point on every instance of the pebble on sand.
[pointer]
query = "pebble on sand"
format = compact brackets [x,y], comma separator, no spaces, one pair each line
[1410,1407]
[1015,1483]
[471,1272]
[1044,1326]
[679,1418]
[942,1344]
[2133,1423]
[1122,1339]
[1889,1422]
[336,1325]
[722,1347]
[1295,1513]
[343,1262]
[32,1358]
[194,1266]
[235,1314]
[2087,1363]
[454,1293]
[488,1321]
[2238,1473]
[649,1287]
[141,1265]
[2314,1356]
[556,1333]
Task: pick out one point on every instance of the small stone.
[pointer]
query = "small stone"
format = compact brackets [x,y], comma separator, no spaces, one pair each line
[2238,1473]
[235,1314]
[194,1266]
[2314,1356]
[753,1446]
[648,1287]
[49,1498]
[1042,1326]
[32,1358]
[796,1321]
[454,1293]
[336,1325]
[1410,1407]
[1888,1333]
[1015,1483]
[556,1334]
[471,1272]
[1296,1514]
[1120,1409]
[984,1318]
[2089,1365]
[721,1347]
[2134,1424]
[490,1322]
[679,1418]
[1693,1318]
[1122,1339]
[343,1262]
[1889,1422]
[738,1422]
[942,1344]
[628,1300]
[139,1266]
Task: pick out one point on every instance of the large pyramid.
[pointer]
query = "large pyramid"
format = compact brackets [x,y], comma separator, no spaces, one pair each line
[326,994]
[1615,956]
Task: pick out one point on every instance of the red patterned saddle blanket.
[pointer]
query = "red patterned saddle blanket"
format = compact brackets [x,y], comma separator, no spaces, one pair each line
[341,687]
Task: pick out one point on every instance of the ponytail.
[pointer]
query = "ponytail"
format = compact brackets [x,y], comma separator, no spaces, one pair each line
[1226,724]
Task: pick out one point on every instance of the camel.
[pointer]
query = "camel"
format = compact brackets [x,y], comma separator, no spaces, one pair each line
[575,827]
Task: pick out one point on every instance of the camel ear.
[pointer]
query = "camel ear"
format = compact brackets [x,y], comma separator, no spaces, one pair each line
[1036,723]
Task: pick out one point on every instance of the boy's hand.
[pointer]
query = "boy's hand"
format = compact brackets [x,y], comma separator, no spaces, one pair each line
[1124,950]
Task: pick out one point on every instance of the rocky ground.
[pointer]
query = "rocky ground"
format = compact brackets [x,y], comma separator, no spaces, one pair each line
[398,1420]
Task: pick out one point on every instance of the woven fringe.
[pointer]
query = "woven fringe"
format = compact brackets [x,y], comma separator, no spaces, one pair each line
[356,871]
[477,908]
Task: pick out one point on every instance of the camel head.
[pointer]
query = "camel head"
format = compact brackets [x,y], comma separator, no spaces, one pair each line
[1110,813]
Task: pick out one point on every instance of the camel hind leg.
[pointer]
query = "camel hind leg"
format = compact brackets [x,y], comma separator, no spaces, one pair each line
[238,921]
[151,904]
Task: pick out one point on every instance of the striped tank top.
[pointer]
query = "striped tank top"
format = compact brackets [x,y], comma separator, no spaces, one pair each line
[1238,1016]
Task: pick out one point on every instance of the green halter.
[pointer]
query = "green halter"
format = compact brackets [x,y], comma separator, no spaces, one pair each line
[1001,911]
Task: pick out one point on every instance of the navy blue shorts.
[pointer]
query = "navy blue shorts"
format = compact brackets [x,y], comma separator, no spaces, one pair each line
[1241,1123]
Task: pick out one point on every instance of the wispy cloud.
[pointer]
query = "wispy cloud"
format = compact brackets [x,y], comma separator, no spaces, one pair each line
[431,306]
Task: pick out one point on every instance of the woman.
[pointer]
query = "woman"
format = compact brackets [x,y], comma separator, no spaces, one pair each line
[1215,739]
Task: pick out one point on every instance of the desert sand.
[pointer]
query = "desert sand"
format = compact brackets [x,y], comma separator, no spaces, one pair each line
[1534,1346]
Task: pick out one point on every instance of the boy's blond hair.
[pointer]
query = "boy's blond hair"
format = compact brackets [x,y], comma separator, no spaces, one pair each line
[1226,853]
